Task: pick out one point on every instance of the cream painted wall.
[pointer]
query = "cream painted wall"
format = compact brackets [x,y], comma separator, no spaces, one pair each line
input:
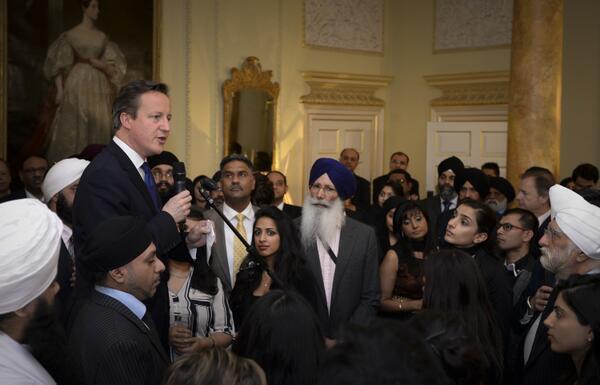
[202,40]
[580,136]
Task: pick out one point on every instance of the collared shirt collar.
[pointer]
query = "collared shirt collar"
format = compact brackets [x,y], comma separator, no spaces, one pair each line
[132,303]
[543,217]
[66,234]
[280,206]
[518,266]
[31,196]
[135,158]
[232,214]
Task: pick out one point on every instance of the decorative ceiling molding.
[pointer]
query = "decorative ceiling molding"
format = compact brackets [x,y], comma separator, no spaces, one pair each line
[344,89]
[467,89]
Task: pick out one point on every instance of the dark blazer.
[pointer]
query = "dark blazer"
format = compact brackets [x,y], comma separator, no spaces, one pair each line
[218,255]
[433,206]
[63,277]
[112,186]
[355,293]
[111,345]
[538,235]
[362,197]
[292,211]
[544,367]
[17,194]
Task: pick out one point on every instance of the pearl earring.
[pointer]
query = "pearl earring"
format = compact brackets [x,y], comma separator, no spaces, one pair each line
[589,339]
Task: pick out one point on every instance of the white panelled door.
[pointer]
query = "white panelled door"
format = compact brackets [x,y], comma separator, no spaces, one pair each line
[331,129]
[473,142]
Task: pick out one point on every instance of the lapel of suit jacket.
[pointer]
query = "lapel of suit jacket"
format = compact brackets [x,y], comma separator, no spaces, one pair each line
[109,302]
[132,172]
[312,258]
[345,254]
[540,342]
[220,258]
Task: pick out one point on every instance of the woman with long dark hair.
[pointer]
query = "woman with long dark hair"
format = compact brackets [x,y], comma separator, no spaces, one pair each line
[574,324]
[401,269]
[453,283]
[282,334]
[278,247]
[472,229]
[199,315]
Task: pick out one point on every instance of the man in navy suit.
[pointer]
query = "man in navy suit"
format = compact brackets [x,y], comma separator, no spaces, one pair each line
[114,340]
[119,182]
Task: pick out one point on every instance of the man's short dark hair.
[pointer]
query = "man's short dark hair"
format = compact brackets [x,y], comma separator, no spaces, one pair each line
[400,171]
[585,171]
[33,156]
[128,99]
[527,219]
[236,157]
[491,166]
[280,173]
[543,179]
[591,195]
[400,153]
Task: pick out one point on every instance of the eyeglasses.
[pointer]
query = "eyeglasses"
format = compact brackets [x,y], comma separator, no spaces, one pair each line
[315,188]
[553,233]
[509,227]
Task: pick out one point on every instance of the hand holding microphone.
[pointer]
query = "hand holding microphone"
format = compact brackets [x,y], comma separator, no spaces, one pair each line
[179,205]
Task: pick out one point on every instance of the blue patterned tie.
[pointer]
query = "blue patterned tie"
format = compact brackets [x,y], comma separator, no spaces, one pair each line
[149,181]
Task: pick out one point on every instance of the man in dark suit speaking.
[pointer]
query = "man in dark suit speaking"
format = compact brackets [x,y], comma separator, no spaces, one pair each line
[114,340]
[119,182]
[341,252]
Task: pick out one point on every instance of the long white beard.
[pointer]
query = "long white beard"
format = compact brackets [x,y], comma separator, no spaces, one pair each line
[320,221]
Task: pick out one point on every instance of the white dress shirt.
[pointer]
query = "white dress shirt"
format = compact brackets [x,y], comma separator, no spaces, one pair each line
[135,158]
[18,366]
[231,214]
[327,265]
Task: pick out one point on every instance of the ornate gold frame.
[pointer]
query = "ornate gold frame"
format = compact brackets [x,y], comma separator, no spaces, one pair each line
[249,76]
[156,44]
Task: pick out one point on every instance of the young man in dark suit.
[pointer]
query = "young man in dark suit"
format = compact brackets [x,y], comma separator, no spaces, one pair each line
[280,188]
[114,340]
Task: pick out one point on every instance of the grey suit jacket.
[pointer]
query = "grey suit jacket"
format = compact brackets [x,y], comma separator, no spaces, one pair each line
[355,293]
[218,254]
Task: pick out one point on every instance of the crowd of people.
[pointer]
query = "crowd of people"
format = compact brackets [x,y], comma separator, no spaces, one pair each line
[111,272]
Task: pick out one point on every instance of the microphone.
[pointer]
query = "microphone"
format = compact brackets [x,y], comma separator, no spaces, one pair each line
[179,185]
[209,184]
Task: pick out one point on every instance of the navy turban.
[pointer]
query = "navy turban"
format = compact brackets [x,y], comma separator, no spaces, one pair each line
[504,187]
[452,163]
[164,157]
[342,178]
[476,177]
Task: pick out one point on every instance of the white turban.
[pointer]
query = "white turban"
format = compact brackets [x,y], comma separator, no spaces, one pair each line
[61,175]
[577,218]
[30,236]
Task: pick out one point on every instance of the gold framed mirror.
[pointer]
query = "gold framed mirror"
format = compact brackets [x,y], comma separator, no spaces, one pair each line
[249,113]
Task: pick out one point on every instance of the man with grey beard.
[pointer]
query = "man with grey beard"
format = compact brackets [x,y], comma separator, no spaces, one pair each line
[570,245]
[447,198]
[341,252]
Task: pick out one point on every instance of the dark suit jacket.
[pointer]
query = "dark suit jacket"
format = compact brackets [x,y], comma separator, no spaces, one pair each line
[111,345]
[292,211]
[362,197]
[218,255]
[112,186]
[355,293]
[432,205]
[17,194]
[544,367]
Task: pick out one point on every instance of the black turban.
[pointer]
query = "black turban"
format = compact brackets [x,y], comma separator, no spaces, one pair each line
[476,177]
[504,187]
[452,163]
[164,157]
[114,243]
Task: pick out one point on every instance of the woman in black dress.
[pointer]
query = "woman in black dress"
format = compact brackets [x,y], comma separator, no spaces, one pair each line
[278,247]
[401,269]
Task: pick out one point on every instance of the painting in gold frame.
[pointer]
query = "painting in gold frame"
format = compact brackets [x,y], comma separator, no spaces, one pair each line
[30,33]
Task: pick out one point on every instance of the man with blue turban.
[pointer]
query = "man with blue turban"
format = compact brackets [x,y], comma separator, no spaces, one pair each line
[341,252]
